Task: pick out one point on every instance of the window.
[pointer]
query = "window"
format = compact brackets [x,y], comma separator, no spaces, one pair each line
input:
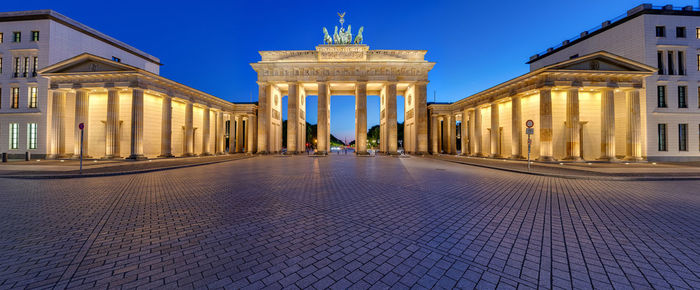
[574,56]
[662,137]
[697,32]
[114,58]
[1,38]
[682,97]
[680,32]
[31,136]
[660,31]
[660,61]
[26,67]
[682,137]
[14,135]
[16,36]
[681,63]
[18,62]
[661,96]
[32,97]
[670,63]
[36,66]
[35,34]
[14,98]
[0,65]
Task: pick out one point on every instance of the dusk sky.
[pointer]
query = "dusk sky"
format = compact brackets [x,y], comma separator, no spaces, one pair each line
[208,45]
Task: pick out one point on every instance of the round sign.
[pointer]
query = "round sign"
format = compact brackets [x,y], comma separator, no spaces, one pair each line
[529,123]
[81,126]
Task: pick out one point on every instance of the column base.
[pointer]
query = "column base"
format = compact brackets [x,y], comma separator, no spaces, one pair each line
[573,158]
[321,153]
[420,153]
[189,155]
[495,156]
[137,157]
[517,157]
[77,156]
[361,153]
[633,158]
[478,155]
[608,159]
[392,153]
[206,154]
[546,159]
[168,155]
[112,157]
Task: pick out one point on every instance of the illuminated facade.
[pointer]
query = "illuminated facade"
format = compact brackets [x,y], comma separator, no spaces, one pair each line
[666,38]
[57,73]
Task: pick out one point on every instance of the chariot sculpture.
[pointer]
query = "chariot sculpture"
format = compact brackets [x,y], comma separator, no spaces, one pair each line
[342,36]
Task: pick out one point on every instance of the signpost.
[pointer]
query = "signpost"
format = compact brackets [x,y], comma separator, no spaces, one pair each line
[529,131]
[81,127]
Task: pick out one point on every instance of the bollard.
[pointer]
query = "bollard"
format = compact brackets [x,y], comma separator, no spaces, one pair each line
[27,156]
[4,157]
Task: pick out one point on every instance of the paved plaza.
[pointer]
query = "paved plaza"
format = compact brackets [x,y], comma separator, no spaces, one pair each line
[347,222]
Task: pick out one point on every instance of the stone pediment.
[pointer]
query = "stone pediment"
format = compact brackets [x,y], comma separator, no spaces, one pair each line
[87,63]
[601,61]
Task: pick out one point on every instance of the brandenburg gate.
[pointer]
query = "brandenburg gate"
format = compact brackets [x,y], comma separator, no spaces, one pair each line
[342,66]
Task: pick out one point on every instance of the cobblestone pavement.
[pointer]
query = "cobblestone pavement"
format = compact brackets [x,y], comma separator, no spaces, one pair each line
[344,221]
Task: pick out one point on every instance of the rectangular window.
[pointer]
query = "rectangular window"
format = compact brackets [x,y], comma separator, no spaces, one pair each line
[1,38]
[661,96]
[660,61]
[18,63]
[14,98]
[31,136]
[16,36]
[35,34]
[0,65]
[682,137]
[26,67]
[662,137]
[36,66]
[697,32]
[660,31]
[32,97]
[114,58]
[682,97]
[14,136]
[680,32]
[681,63]
[670,63]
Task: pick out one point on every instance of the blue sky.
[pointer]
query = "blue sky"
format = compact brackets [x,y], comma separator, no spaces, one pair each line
[209,44]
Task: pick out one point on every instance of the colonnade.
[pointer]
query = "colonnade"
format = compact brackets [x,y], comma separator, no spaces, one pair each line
[114,120]
[443,122]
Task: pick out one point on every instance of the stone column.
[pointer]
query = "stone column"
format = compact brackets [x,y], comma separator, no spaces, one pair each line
[292,118]
[546,125]
[573,145]
[607,125]
[634,127]
[441,134]
[516,148]
[264,117]
[112,149]
[136,125]
[495,128]
[361,118]
[58,124]
[452,134]
[166,128]
[82,112]
[239,133]
[189,129]
[232,133]
[206,131]
[465,133]
[250,130]
[220,133]
[477,133]
[420,106]
[392,146]
[434,134]
[323,130]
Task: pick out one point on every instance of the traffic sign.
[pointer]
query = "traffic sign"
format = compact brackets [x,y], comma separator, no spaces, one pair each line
[529,123]
[81,126]
[529,131]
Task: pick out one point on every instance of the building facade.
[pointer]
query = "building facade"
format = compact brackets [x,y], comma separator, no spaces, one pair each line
[664,37]
[56,73]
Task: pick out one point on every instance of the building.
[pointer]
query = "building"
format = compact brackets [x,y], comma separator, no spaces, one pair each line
[664,37]
[56,73]
[597,96]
